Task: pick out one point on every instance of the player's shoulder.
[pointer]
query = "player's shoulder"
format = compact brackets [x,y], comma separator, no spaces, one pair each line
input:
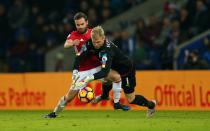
[107,47]
[110,44]
[90,29]
[74,32]
[71,34]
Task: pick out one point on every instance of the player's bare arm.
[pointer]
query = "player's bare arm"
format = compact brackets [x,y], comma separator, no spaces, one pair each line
[70,43]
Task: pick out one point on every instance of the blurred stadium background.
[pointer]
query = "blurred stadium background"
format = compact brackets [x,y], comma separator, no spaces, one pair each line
[169,41]
[156,34]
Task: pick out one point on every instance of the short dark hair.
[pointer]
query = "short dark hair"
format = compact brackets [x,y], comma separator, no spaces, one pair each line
[80,15]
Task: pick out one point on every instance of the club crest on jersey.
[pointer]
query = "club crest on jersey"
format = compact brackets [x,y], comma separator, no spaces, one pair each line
[104,59]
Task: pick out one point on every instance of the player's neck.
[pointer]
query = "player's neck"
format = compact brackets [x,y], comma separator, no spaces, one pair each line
[86,30]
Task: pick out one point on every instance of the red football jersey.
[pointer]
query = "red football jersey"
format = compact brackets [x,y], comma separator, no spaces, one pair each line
[90,62]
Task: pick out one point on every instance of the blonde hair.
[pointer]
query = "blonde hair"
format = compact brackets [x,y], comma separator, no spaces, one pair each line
[97,32]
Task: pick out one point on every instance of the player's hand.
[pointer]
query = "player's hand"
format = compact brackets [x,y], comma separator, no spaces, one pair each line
[79,84]
[89,79]
[70,43]
[76,42]
[83,83]
[75,76]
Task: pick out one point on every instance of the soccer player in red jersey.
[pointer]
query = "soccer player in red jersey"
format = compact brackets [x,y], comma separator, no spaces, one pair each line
[87,67]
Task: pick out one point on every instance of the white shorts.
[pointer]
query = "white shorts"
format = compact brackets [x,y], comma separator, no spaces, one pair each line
[83,74]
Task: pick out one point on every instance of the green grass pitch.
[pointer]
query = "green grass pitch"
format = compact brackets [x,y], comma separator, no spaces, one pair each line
[105,121]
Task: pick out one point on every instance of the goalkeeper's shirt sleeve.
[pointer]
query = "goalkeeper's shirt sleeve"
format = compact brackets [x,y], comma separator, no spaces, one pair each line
[106,61]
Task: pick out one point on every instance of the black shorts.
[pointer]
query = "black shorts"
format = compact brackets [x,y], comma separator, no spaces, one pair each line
[129,82]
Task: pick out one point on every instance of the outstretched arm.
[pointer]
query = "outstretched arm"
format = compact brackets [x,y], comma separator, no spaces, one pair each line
[106,61]
[69,43]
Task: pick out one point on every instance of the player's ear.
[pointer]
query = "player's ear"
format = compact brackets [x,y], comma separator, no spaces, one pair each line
[87,22]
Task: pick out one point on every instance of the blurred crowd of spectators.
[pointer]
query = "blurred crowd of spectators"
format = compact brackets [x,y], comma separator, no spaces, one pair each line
[156,38]
[30,28]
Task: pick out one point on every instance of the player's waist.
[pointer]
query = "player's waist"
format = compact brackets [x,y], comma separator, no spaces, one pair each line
[88,67]
[95,69]
[126,70]
[88,64]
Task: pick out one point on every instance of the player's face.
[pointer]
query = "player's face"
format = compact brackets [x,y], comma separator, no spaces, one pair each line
[81,25]
[98,42]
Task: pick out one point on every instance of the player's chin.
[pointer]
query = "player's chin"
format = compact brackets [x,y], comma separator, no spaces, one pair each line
[81,30]
[96,47]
